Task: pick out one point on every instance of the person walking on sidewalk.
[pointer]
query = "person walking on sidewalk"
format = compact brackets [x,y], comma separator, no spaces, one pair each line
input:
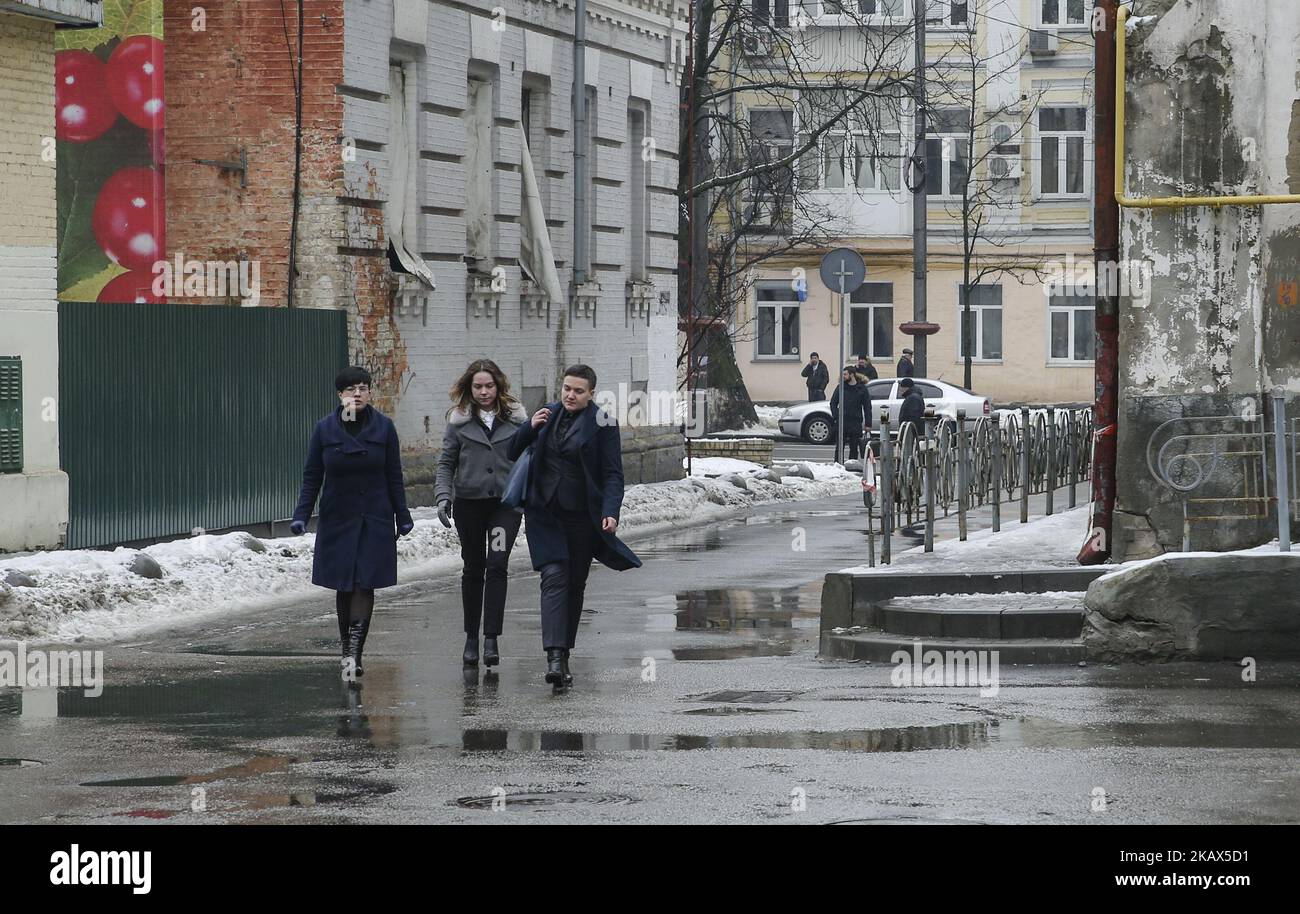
[906,367]
[857,410]
[818,376]
[912,409]
[354,463]
[571,506]
[472,471]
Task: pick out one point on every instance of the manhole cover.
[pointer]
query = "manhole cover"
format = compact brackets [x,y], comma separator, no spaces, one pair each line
[753,698]
[552,798]
[20,763]
[724,710]
[904,820]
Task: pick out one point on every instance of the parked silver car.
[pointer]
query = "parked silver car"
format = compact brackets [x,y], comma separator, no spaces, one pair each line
[813,421]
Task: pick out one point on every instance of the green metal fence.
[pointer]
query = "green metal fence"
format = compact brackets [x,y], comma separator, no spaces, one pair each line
[176,417]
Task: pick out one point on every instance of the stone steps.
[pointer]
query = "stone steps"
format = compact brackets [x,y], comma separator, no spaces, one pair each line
[882,647]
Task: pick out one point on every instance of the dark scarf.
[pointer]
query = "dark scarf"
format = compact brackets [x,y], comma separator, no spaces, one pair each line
[354,426]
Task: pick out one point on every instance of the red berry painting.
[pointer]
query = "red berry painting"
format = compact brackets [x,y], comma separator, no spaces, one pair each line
[83,108]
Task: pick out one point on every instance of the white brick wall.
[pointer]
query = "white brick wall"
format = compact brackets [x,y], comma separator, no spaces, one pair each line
[35,502]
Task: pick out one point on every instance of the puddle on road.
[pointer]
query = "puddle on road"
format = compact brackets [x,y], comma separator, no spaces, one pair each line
[257,765]
[727,710]
[20,763]
[771,622]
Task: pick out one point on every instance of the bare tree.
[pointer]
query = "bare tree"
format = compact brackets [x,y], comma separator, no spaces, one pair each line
[767,86]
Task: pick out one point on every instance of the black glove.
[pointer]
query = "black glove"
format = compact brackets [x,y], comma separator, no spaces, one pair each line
[298,528]
[444,513]
[403,529]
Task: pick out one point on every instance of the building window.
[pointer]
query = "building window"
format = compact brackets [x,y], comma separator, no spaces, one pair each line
[871,321]
[863,151]
[1063,12]
[946,13]
[778,321]
[1072,327]
[985,322]
[946,152]
[636,133]
[771,13]
[1061,136]
[771,139]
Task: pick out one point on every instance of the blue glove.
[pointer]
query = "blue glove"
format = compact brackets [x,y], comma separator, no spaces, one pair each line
[404,529]
[298,528]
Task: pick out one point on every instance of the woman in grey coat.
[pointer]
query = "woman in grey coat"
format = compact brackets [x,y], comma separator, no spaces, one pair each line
[472,472]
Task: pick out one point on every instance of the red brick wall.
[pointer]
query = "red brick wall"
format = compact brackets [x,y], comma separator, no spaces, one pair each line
[231,86]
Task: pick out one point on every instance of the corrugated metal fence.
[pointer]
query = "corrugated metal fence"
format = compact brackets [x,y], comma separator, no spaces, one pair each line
[175,417]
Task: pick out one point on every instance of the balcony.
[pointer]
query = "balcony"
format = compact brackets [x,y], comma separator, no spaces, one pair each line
[79,13]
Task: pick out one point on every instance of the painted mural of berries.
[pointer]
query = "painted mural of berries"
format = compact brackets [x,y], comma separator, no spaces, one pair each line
[128,218]
[132,286]
[135,80]
[83,107]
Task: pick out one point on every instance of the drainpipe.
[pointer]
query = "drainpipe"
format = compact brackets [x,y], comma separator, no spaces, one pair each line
[581,246]
[1105,411]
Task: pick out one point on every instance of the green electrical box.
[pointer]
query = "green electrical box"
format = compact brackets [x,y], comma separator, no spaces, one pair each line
[11,414]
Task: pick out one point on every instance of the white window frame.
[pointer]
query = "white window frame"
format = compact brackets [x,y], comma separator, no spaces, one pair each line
[870,309]
[777,149]
[854,140]
[977,326]
[822,17]
[1062,11]
[1068,310]
[957,140]
[779,307]
[1062,154]
[944,23]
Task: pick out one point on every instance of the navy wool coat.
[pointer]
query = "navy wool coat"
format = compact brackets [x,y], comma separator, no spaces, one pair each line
[602,463]
[362,502]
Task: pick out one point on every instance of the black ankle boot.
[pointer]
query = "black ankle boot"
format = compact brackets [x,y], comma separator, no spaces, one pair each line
[470,657]
[555,665]
[564,667]
[491,655]
[344,641]
[357,632]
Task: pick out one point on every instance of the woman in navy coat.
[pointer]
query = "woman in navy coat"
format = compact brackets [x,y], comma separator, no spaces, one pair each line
[354,463]
[571,507]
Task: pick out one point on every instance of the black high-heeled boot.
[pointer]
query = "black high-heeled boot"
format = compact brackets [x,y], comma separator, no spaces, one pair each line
[357,632]
[343,631]
[470,657]
[491,654]
[564,667]
[555,665]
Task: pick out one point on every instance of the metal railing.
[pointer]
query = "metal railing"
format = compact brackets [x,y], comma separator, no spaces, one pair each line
[1219,467]
[954,464]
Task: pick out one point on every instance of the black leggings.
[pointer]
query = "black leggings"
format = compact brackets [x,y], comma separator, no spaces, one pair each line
[487,533]
[353,606]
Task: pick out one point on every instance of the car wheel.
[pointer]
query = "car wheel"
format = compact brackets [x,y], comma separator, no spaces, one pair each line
[816,430]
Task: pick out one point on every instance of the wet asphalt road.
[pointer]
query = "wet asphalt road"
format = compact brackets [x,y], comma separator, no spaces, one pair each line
[698,698]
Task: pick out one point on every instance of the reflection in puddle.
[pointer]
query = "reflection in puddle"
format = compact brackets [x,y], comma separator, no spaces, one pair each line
[20,763]
[545,799]
[774,622]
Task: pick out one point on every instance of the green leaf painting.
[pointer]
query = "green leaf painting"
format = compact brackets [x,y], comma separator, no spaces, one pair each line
[122,18]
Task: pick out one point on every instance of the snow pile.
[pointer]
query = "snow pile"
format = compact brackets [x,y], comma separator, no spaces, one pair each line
[1048,542]
[1266,549]
[768,423]
[94,594]
[716,466]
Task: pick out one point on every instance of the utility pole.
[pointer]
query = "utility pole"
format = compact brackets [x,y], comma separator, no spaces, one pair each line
[919,266]
[1105,411]
[698,203]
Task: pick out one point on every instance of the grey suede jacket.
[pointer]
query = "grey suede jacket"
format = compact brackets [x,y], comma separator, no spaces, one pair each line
[472,464]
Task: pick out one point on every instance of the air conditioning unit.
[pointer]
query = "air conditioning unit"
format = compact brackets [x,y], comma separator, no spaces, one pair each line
[754,44]
[1004,167]
[1043,42]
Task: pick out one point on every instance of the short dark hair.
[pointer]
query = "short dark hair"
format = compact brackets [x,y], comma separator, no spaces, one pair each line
[582,371]
[906,382]
[351,375]
[812,354]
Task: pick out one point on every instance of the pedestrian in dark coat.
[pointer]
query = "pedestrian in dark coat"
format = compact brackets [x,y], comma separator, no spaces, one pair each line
[866,368]
[571,508]
[906,367]
[857,410]
[818,377]
[472,471]
[912,409]
[354,462]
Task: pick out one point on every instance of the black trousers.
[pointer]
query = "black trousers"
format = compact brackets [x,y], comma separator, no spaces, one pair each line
[487,534]
[565,583]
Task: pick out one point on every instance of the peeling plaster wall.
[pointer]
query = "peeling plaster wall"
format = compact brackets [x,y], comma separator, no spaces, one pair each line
[1213,109]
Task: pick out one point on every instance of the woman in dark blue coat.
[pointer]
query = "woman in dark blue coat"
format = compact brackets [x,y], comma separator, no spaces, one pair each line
[354,462]
[571,507]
